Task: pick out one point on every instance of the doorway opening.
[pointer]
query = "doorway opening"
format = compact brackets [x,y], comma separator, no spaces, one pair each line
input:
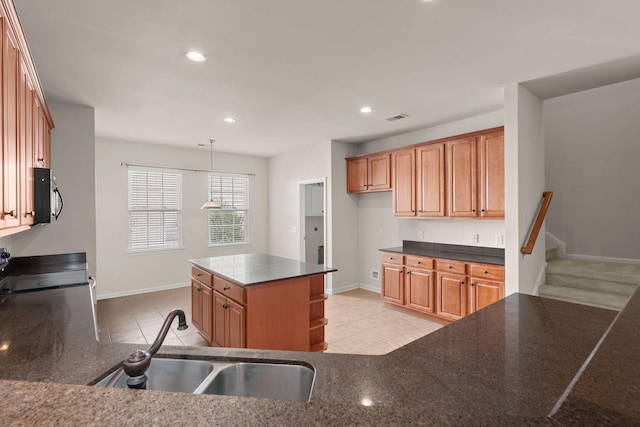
[313,221]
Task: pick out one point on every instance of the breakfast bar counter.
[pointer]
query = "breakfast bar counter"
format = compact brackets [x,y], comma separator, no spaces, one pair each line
[511,363]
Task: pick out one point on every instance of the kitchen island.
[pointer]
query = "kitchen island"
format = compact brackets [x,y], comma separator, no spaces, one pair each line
[259,301]
[512,363]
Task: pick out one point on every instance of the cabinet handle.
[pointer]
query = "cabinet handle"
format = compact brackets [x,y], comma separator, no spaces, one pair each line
[408,272]
[32,213]
[200,274]
[226,288]
[451,266]
[224,306]
[199,289]
[473,210]
[486,272]
[11,213]
[419,262]
[461,282]
[482,210]
[473,284]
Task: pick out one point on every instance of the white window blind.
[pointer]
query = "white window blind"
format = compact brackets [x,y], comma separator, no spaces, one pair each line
[155,210]
[228,223]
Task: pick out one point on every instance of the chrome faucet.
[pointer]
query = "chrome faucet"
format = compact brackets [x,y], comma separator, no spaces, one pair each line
[138,362]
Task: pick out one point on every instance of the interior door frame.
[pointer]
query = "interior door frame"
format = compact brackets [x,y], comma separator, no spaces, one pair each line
[301,216]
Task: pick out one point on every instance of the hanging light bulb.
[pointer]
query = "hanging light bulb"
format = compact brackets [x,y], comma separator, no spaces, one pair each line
[211,204]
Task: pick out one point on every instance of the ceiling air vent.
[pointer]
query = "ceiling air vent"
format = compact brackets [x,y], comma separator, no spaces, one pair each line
[397,117]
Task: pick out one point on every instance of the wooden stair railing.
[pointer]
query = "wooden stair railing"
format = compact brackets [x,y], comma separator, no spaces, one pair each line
[535,230]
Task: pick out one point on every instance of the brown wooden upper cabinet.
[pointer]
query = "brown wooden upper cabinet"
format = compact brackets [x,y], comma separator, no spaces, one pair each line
[25,124]
[454,177]
[369,173]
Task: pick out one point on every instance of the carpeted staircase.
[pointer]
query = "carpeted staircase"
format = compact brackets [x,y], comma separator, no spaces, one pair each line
[599,284]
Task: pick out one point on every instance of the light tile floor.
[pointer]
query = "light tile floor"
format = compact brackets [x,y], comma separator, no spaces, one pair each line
[359,323]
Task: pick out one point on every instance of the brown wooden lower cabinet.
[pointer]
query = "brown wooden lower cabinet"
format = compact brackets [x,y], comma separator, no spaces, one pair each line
[451,296]
[201,306]
[228,322]
[445,288]
[280,315]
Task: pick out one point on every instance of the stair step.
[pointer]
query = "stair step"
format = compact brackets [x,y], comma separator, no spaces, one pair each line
[591,284]
[586,297]
[596,270]
[551,252]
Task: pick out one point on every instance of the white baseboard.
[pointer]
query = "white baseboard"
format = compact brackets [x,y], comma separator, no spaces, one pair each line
[351,287]
[142,291]
[370,288]
[603,259]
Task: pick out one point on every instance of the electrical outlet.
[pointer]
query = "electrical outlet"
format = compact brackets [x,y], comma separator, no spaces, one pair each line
[294,229]
[499,239]
[475,238]
[420,234]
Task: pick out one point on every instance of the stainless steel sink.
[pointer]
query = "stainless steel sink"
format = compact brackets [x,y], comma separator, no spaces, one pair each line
[181,375]
[267,380]
[275,381]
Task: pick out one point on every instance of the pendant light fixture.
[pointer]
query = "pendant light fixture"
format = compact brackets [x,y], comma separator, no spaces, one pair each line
[211,204]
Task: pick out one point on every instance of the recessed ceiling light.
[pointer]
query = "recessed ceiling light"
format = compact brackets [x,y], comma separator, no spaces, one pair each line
[229,120]
[366,110]
[196,56]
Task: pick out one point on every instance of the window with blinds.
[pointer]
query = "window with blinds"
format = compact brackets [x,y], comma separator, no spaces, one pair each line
[228,221]
[155,210]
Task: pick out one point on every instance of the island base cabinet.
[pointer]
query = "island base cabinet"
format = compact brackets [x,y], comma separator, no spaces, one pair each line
[201,308]
[278,315]
[228,322]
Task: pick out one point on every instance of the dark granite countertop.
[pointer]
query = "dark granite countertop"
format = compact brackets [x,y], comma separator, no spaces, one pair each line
[507,364]
[253,269]
[453,252]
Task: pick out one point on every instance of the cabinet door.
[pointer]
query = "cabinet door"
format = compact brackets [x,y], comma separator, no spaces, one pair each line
[461,177]
[484,293]
[218,334]
[10,215]
[207,306]
[420,289]
[393,284]
[430,180]
[25,101]
[357,175]
[404,183]
[235,323]
[196,304]
[451,296]
[491,160]
[379,172]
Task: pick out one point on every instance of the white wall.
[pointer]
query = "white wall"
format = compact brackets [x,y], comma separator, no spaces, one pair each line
[524,184]
[160,270]
[592,141]
[73,164]
[378,228]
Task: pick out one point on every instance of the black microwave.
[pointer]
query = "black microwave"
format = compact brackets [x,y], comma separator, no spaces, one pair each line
[47,200]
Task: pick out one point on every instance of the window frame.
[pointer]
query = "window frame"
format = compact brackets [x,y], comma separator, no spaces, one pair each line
[150,246]
[211,194]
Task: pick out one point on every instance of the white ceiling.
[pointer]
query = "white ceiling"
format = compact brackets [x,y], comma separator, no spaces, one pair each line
[296,72]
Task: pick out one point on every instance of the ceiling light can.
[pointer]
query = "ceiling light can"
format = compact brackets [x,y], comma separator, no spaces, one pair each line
[195,56]
[229,120]
[366,110]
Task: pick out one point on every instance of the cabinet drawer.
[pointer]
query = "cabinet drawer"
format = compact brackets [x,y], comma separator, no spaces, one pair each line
[201,275]
[450,266]
[419,262]
[489,272]
[391,258]
[229,289]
